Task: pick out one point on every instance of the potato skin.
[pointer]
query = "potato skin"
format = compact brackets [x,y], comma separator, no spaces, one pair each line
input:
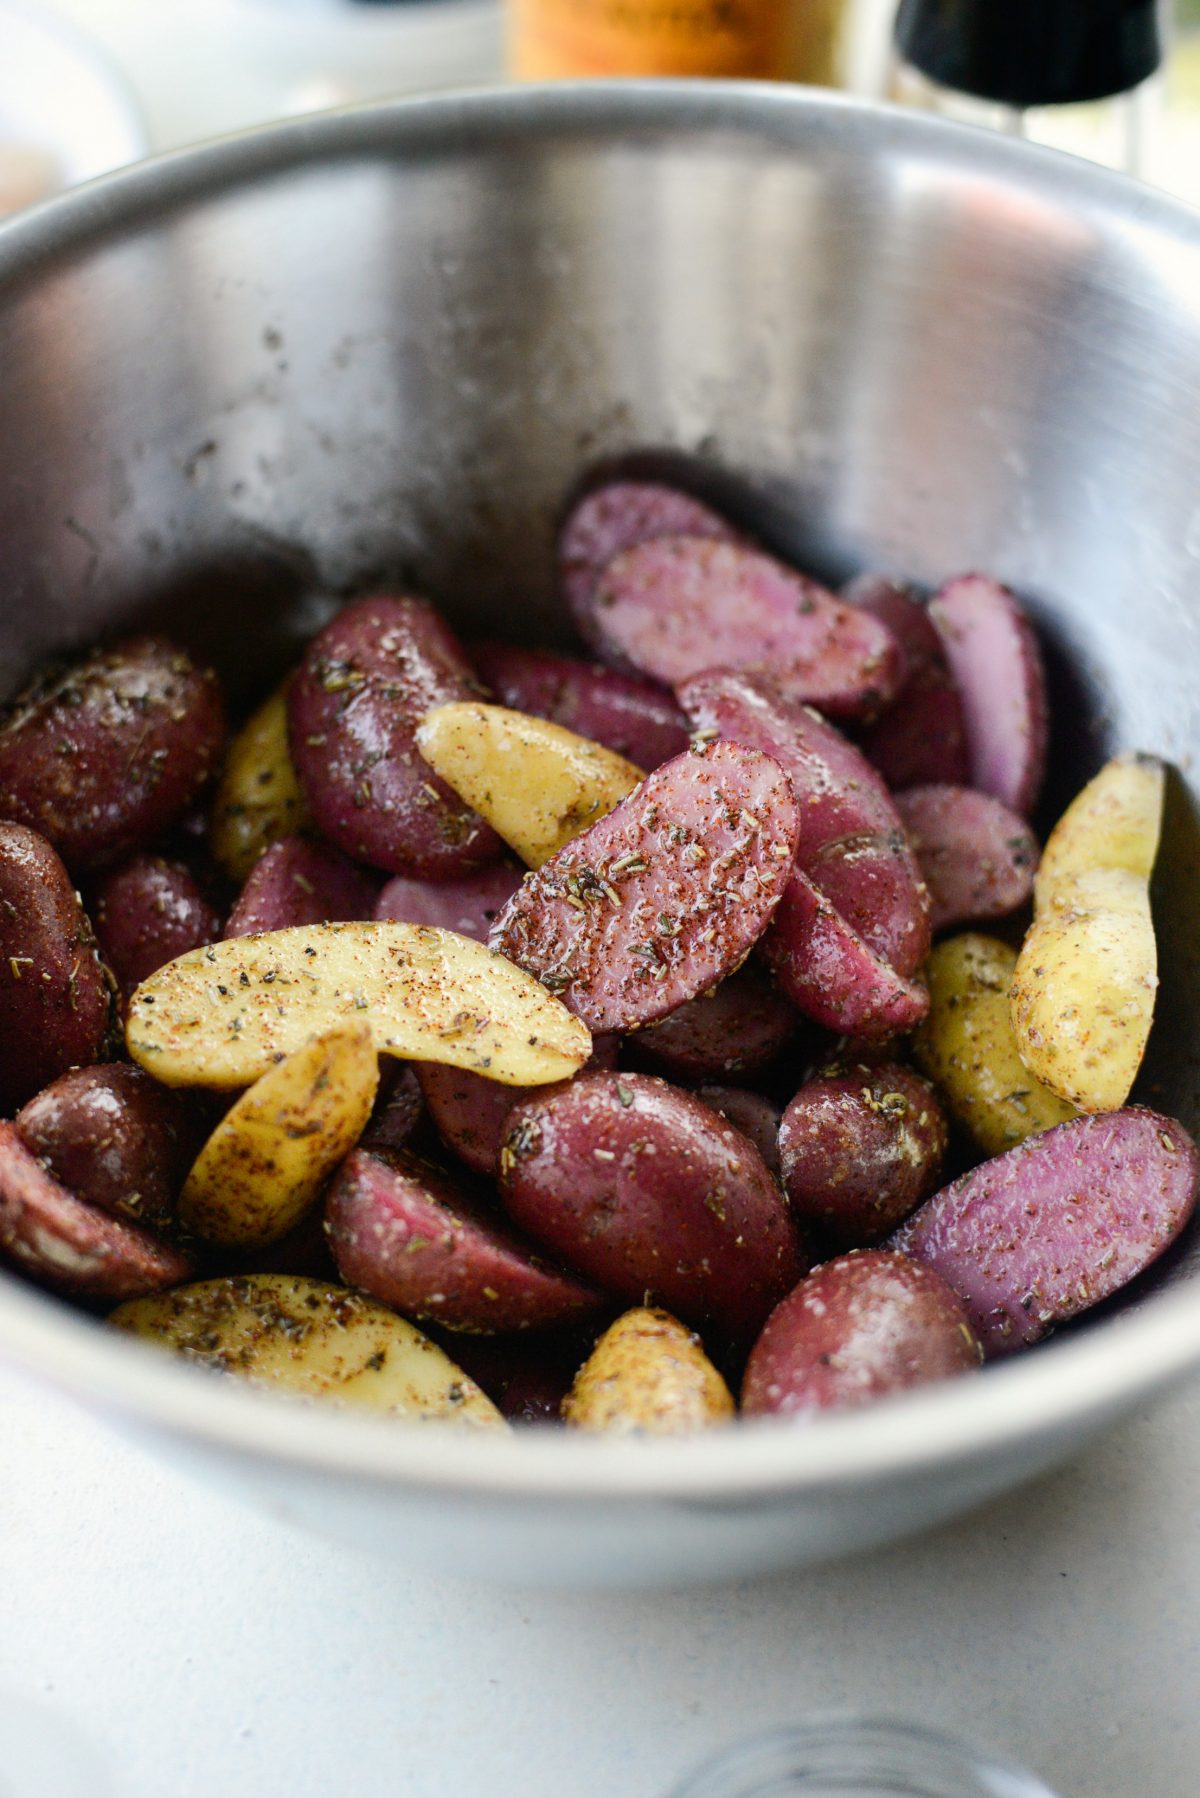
[297,881]
[753,1114]
[364,685]
[468,904]
[662,898]
[613,517]
[729,1034]
[62,1242]
[470,1112]
[399,1107]
[968,1048]
[922,735]
[860,1148]
[55,995]
[676,606]
[869,1324]
[106,754]
[647,1376]
[977,857]
[258,799]
[996,664]
[823,966]
[644,1189]
[635,718]
[1065,1219]
[147,911]
[115,1138]
[416,1239]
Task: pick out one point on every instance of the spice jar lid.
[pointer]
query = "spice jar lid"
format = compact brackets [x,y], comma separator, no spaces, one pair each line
[1032,52]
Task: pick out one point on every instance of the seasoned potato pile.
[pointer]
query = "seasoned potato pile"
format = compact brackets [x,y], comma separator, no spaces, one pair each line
[481,1033]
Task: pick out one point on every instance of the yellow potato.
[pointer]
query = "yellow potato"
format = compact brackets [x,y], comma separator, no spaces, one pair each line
[309,1337]
[258,798]
[1086,978]
[222,1015]
[268,1158]
[537,784]
[648,1375]
[967,1046]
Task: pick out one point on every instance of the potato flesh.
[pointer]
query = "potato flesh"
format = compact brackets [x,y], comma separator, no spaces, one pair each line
[1085,983]
[537,783]
[265,1163]
[258,799]
[968,1047]
[222,1015]
[311,1338]
[648,1375]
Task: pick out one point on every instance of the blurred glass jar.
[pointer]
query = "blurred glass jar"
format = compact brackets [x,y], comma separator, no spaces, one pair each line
[783,40]
[201,67]
[858,1758]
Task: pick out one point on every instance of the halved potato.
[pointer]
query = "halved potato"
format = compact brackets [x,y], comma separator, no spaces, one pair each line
[268,1158]
[968,1048]
[537,784]
[648,1375]
[258,799]
[309,1337]
[222,1015]
[1085,982]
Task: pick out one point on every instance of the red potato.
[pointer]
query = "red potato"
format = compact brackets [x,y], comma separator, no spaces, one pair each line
[297,881]
[469,904]
[729,1034]
[364,685]
[406,1234]
[147,911]
[634,717]
[663,897]
[996,663]
[398,1108]
[857,1329]
[108,753]
[526,1377]
[978,858]
[115,1138]
[1061,1221]
[829,974]
[922,736]
[860,1148]
[615,517]
[470,1112]
[646,1190]
[60,1241]
[753,1114]
[852,842]
[55,997]
[677,606]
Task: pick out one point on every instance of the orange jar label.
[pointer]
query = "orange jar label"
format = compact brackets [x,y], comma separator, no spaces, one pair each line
[772,39]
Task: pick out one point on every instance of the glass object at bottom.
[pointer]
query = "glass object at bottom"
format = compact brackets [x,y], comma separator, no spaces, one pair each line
[858,1758]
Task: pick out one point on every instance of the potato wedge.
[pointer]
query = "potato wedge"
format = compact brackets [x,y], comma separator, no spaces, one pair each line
[312,1338]
[268,1158]
[648,1375]
[1086,978]
[968,1048]
[222,1015]
[537,783]
[258,798]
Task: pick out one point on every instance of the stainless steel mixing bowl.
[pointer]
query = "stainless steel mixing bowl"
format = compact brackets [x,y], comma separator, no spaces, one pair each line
[380,345]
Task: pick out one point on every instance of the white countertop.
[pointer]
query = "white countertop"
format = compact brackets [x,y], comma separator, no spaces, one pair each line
[210,1652]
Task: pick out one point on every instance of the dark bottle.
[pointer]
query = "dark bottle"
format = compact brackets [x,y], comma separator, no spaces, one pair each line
[1024,53]
[1017,64]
